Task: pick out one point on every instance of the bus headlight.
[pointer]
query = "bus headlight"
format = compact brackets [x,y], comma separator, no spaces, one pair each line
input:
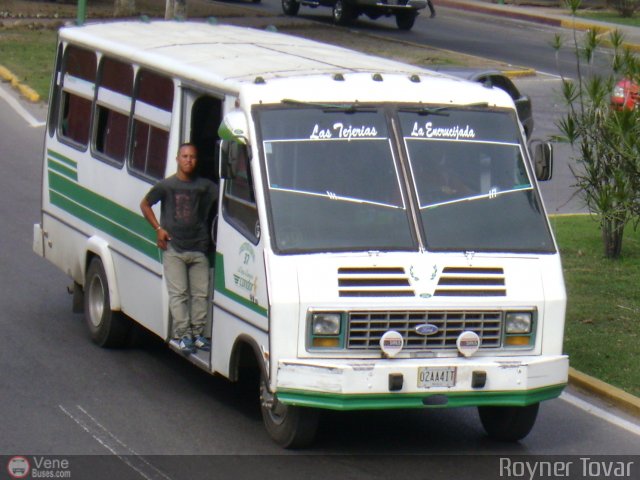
[325,323]
[518,322]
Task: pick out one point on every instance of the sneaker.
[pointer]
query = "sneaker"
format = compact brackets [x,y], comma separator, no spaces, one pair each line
[202,343]
[186,345]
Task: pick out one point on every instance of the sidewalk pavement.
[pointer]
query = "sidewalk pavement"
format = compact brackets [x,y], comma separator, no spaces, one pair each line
[545,13]
[548,13]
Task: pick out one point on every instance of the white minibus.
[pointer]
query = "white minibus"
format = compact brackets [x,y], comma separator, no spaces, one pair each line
[380,238]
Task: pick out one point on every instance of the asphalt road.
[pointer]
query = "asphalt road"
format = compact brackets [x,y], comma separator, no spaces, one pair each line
[502,39]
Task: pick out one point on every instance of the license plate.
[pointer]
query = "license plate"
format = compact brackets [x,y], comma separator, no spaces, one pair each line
[436,377]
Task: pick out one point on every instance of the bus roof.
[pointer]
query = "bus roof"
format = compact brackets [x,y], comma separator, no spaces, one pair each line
[238,58]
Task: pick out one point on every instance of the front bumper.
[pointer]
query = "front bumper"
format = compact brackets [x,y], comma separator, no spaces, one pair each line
[364,385]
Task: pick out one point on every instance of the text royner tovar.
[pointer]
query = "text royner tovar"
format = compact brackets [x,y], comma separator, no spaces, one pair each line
[585,466]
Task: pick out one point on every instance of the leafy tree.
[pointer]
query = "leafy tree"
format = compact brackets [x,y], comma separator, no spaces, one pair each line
[606,140]
[626,8]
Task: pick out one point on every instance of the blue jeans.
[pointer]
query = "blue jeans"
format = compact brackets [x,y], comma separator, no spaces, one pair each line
[187,278]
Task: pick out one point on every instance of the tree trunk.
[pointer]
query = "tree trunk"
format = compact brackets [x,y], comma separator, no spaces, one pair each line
[612,231]
[175,9]
[124,8]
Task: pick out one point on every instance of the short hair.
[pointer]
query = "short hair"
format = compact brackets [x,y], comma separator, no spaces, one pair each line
[186,144]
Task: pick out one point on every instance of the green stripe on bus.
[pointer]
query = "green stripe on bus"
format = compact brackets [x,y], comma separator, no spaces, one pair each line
[104,214]
[63,170]
[330,401]
[105,225]
[220,286]
[62,158]
[103,206]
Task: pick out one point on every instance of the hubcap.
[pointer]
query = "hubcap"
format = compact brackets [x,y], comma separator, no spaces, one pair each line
[96,301]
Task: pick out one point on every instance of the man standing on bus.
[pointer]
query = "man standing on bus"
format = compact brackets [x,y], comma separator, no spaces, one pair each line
[183,233]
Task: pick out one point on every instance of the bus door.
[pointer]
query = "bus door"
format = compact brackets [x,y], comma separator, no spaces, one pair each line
[201,116]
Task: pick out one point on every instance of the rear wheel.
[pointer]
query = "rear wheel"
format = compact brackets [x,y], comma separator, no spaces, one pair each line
[508,424]
[290,7]
[107,328]
[343,12]
[405,20]
[288,426]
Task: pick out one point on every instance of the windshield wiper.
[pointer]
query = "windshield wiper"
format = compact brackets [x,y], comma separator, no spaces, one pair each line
[331,107]
[441,111]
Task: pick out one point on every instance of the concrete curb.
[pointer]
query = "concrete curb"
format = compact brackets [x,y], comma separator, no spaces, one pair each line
[563,21]
[623,400]
[26,91]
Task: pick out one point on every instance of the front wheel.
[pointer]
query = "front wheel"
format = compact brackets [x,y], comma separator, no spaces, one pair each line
[107,328]
[343,13]
[508,424]
[405,20]
[290,7]
[288,426]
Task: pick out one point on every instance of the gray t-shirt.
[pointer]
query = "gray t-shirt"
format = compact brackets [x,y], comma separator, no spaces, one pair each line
[186,211]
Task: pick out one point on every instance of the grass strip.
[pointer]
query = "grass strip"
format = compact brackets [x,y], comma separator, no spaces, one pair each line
[603,312]
[29,54]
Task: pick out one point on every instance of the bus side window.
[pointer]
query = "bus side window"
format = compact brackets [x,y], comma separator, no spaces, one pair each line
[78,84]
[115,86]
[52,119]
[238,201]
[153,105]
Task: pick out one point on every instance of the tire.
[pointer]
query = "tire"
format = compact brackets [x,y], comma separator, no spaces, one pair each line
[508,424]
[405,20]
[290,7]
[290,427]
[343,12]
[107,328]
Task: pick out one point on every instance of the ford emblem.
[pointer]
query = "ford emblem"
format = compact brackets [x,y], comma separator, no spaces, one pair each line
[426,329]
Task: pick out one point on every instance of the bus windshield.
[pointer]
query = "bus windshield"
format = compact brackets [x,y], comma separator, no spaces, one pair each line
[336,182]
[473,190]
[333,181]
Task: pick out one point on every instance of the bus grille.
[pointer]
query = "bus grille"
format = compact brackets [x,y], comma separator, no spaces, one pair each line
[366,328]
[471,282]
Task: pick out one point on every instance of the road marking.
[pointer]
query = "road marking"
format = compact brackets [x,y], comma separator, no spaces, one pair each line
[112,443]
[20,110]
[600,413]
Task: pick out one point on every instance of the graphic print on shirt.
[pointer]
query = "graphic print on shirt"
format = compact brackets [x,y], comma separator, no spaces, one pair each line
[185,213]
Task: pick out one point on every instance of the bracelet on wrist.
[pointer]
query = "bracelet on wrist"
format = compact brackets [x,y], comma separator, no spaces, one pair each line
[158,227]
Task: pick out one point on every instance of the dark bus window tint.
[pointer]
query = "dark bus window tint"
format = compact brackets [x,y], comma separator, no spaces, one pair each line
[239,200]
[79,66]
[111,131]
[150,146]
[80,63]
[111,134]
[150,143]
[75,119]
[54,108]
[155,90]
[117,76]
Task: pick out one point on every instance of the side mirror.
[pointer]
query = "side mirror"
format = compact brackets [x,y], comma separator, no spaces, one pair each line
[234,127]
[542,156]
